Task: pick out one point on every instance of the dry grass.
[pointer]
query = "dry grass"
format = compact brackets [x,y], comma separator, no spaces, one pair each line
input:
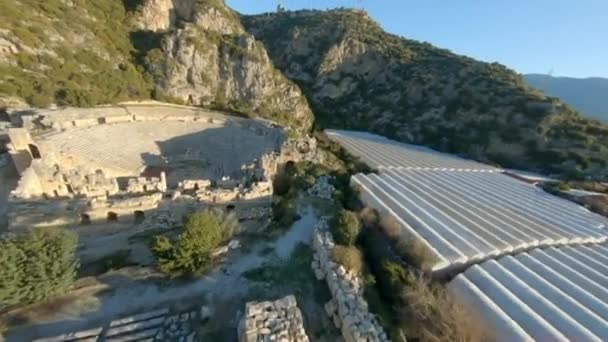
[431,314]
[369,217]
[416,253]
[413,250]
[390,227]
[348,256]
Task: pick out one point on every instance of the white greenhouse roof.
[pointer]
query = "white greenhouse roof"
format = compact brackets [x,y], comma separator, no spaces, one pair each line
[379,152]
[465,217]
[553,294]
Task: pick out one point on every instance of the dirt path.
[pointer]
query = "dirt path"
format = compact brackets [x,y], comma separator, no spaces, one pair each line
[127,295]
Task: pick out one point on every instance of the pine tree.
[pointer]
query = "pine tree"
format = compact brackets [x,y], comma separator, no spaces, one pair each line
[36,265]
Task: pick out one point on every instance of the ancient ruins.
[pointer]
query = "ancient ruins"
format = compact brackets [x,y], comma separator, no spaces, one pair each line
[119,163]
[280,320]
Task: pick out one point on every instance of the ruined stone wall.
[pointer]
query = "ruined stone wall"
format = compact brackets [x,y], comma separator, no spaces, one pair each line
[155,326]
[98,208]
[63,119]
[40,180]
[280,320]
[347,307]
[139,185]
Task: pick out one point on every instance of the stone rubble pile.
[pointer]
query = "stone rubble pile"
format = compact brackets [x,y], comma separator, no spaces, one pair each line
[161,219]
[139,185]
[232,245]
[347,307]
[322,188]
[280,320]
[194,184]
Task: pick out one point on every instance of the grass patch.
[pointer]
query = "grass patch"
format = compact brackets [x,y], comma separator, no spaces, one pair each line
[114,261]
[293,272]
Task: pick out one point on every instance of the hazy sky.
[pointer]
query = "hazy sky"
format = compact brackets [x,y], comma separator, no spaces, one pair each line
[565,37]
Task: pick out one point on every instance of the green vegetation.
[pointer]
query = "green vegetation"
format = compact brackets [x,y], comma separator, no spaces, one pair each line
[36,265]
[114,261]
[77,53]
[420,308]
[191,253]
[345,227]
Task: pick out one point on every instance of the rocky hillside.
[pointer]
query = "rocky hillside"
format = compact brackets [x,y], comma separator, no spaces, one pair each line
[206,58]
[358,76]
[68,52]
[280,65]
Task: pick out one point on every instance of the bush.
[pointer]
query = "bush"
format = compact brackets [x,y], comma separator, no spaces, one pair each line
[563,186]
[429,313]
[416,253]
[191,253]
[345,227]
[36,265]
[348,256]
[390,227]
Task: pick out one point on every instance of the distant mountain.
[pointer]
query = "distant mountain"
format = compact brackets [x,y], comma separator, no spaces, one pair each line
[587,95]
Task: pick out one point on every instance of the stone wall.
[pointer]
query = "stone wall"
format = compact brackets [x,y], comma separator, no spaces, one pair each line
[139,185]
[347,307]
[280,320]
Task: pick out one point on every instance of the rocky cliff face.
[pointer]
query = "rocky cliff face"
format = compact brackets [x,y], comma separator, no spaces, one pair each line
[209,60]
[358,76]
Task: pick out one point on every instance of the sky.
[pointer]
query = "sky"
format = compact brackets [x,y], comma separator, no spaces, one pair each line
[557,37]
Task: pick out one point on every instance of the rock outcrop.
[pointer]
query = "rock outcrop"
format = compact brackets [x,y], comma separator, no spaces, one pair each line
[211,61]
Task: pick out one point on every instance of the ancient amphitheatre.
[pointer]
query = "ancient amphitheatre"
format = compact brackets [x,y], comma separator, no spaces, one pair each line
[107,163]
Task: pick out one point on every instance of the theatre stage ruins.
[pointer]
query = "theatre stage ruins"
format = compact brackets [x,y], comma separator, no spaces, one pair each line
[122,163]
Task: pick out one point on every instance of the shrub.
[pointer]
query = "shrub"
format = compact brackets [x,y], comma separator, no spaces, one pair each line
[36,265]
[429,313]
[348,256]
[415,252]
[369,217]
[191,253]
[390,227]
[563,186]
[345,227]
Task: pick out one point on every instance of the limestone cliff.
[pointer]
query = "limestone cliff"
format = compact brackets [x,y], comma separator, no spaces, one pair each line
[209,60]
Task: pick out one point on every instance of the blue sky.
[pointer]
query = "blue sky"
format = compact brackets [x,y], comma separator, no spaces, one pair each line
[564,37]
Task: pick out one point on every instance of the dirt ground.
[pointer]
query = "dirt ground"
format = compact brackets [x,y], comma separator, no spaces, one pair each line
[259,270]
